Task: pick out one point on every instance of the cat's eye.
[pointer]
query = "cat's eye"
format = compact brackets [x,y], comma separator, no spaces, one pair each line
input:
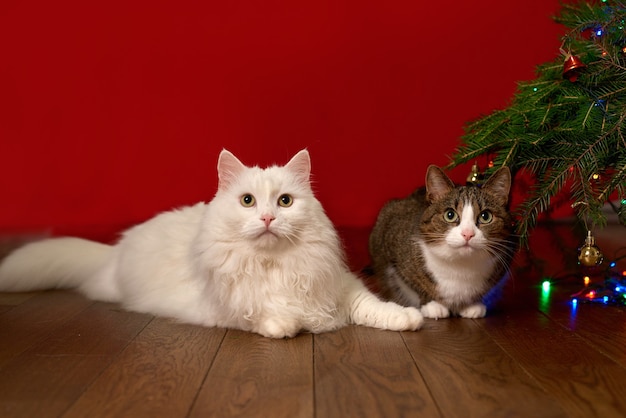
[450,215]
[485,217]
[285,200]
[247,200]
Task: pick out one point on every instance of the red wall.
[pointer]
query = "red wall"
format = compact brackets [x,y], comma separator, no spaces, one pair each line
[113,111]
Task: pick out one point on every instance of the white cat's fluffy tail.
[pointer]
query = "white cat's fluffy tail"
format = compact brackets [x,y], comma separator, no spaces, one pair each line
[52,264]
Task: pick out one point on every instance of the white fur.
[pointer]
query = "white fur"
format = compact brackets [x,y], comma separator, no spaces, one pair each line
[434,309]
[477,310]
[460,267]
[221,263]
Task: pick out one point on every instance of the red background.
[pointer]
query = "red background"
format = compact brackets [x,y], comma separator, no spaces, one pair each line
[113,111]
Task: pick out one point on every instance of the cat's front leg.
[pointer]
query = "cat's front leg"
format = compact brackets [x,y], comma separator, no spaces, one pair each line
[477,310]
[375,313]
[364,308]
[435,310]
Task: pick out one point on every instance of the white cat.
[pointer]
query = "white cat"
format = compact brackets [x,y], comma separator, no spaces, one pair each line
[262,256]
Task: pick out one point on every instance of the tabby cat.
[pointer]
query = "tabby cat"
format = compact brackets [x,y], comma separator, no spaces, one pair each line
[444,247]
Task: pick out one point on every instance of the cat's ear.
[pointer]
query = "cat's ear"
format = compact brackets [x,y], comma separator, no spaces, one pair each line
[300,165]
[437,183]
[229,168]
[499,185]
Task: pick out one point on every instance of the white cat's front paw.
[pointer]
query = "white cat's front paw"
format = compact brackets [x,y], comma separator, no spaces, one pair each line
[435,310]
[278,328]
[477,310]
[406,319]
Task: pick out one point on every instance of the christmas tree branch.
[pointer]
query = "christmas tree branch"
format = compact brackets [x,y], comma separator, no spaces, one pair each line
[565,127]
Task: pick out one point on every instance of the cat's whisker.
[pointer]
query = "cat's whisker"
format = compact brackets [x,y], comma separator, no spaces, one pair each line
[292,238]
[503,254]
[504,246]
[432,237]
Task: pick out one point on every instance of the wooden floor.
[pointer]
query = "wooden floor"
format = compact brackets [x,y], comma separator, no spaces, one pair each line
[534,356]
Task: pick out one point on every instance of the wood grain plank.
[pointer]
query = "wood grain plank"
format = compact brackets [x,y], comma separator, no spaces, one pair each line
[14,299]
[366,372]
[158,374]
[583,381]
[34,318]
[469,375]
[254,376]
[47,378]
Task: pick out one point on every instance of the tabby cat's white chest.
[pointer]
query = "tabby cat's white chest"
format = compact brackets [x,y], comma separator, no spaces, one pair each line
[459,279]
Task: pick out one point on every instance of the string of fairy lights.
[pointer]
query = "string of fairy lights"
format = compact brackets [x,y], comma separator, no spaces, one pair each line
[604,282]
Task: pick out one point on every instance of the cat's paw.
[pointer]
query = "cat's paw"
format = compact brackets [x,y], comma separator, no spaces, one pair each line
[406,319]
[435,310]
[477,310]
[278,328]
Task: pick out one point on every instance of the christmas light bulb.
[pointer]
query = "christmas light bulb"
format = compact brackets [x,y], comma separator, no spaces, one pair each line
[586,280]
[589,254]
[546,286]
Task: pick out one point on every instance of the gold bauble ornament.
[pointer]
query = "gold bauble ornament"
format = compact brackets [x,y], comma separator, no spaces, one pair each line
[589,255]
[475,177]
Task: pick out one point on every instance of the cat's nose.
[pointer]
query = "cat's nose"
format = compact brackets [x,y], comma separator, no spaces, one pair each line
[467,234]
[267,219]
